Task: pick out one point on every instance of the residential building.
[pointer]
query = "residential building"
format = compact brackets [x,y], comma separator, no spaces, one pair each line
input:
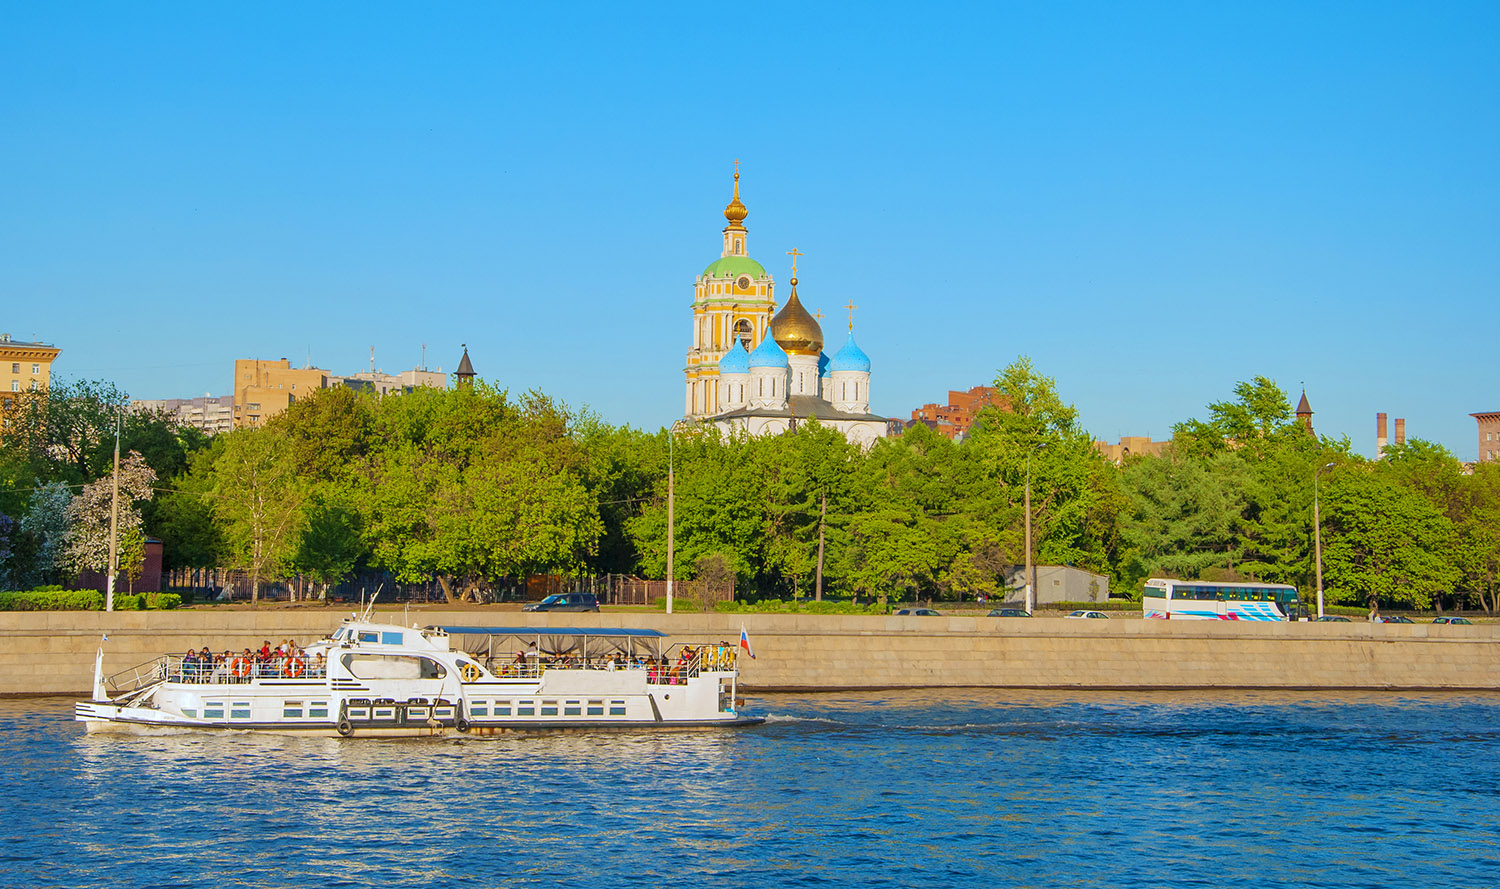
[1131,446]
[382,383]
[1489,435]
[954,419]
[263,389]
[23,367]
[212,414]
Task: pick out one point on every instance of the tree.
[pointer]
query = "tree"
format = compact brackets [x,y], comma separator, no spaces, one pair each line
[257,500]
[470,487]
[331,543]
[1384,542]
[87,545]
[1186,515]
[45,529]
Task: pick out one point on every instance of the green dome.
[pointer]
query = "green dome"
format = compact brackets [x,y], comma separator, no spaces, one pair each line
[732,266]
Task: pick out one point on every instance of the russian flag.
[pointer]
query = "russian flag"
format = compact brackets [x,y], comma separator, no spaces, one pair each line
[745,642]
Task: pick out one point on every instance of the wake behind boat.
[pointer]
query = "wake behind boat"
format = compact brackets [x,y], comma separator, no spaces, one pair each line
[382,680]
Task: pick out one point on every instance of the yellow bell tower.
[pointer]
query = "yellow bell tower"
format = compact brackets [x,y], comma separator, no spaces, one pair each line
[733,301]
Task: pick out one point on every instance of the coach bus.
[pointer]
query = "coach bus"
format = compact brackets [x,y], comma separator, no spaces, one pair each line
[1207,600]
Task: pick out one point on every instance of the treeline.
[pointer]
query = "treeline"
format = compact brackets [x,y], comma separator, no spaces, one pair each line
[471,485]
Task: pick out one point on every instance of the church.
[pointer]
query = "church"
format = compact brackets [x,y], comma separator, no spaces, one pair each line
[757,370]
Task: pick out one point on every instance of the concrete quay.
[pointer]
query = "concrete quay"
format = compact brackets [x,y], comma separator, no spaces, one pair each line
[52,652]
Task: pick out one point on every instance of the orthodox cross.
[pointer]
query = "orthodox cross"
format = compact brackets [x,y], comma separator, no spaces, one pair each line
[851,307]
[794,253]
[736,166]
[818,315]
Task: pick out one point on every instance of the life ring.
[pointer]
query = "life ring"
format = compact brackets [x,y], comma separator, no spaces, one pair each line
[345,727]
[294,667]
[240,668]
[469,672]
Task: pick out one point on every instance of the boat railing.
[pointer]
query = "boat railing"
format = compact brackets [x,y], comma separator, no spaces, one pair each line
[240,670]
[138,676]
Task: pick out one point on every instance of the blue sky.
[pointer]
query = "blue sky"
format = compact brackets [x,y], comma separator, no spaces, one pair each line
[1154,201]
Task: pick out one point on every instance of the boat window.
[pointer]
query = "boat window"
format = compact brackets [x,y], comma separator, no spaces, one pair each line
[596,708]
[526,708]
[291,709]
[549,708]
[479,708]
[502,709]
[616,708]
[317,710]
[390,638]
[366,636]
[213,710]
[572,708]
[189,712]
[239,710]
[392,666]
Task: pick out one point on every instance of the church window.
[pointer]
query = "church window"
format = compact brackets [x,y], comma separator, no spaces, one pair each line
[742,333]
[762,387]
[739,245]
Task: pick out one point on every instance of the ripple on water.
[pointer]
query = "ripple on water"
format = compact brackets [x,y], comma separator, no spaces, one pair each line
[955,788]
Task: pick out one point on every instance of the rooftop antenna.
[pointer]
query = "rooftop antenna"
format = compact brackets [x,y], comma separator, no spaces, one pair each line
[309,357]
[424,356]
[372,359]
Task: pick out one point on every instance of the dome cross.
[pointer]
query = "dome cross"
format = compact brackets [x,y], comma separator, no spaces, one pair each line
[851,307]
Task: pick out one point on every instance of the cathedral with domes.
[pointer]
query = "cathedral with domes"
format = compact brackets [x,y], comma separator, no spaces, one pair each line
[757,370]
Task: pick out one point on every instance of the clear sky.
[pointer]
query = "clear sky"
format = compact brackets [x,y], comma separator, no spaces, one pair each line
[1154,201]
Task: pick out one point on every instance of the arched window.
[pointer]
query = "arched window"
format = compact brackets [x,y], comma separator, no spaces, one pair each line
[743,333]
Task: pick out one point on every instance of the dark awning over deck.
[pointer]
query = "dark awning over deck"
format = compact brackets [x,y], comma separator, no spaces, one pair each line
[604,632]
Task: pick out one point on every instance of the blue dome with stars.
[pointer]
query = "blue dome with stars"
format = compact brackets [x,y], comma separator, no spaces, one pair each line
[735,361]
[768,354]
[851,357]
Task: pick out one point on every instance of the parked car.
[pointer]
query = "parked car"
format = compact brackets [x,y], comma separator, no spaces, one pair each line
[1088,615]
[1452,620]
[919,612]
[1008,612]
[1397,619]
[1332,619]
[566,602]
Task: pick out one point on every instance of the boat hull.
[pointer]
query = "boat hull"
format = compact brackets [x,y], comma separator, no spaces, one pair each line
[145,721]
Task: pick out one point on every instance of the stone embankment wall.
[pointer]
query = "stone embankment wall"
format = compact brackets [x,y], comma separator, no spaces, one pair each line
[53,652]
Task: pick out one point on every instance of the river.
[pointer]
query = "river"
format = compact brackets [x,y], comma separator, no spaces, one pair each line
[910,788]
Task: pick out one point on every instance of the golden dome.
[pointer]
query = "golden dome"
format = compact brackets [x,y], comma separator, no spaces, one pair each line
[794,330]
[736,211]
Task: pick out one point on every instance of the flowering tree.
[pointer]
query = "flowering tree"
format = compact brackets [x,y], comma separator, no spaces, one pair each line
[86,545]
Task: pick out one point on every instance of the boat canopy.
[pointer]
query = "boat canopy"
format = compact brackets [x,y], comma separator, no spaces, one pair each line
[598,632]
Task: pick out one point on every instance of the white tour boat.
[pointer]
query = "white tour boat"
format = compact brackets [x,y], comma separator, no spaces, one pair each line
[382,680]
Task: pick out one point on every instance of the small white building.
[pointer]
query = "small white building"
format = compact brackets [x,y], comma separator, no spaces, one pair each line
[1060,583]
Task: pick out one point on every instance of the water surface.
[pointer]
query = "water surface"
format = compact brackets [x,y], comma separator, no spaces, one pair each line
[967,788]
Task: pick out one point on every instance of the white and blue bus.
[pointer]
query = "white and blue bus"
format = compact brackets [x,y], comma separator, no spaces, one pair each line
[1208,600]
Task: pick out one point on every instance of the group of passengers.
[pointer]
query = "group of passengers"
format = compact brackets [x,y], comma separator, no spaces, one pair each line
[659,670]
[287,660]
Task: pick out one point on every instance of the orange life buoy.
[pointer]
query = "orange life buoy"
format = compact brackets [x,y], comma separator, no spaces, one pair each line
[294,667]
[240,668]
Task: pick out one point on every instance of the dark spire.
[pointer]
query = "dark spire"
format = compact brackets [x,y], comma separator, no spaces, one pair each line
[465,372]
[1304,413]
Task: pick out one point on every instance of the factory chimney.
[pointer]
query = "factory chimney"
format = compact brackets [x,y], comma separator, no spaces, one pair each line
[1400,431]
[1380,439]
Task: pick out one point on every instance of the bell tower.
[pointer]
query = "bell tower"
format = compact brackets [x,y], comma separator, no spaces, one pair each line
[733,301]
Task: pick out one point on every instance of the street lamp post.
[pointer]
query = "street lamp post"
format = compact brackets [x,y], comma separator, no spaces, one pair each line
[1318,536]
[1030,568]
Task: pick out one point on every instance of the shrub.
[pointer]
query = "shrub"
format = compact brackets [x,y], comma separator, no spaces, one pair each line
[52,599]
[163,601]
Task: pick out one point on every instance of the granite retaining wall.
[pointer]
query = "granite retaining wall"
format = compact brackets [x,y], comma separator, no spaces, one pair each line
[53,652]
